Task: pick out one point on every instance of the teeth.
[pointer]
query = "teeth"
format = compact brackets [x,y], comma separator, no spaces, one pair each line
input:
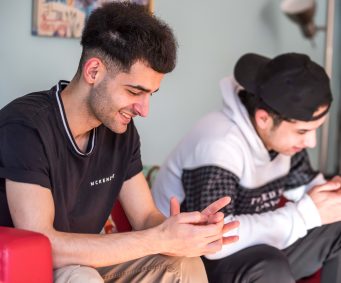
[125,115]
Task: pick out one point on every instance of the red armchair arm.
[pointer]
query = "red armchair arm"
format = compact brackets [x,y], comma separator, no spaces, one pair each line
[120,218]
[24,255]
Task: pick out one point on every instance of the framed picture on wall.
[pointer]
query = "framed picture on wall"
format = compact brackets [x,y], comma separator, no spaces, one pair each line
[66,18]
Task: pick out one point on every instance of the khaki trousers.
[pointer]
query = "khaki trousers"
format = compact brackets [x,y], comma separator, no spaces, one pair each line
[157,268]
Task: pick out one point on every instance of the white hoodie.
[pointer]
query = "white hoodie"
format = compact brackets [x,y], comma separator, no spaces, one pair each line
[227,139]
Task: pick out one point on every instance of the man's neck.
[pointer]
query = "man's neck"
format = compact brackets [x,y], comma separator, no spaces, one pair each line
[81,122]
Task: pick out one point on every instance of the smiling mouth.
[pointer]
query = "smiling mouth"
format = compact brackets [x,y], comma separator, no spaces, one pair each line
[126,117]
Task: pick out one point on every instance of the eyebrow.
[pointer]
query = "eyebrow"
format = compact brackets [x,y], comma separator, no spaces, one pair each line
[138,87]
[307,130]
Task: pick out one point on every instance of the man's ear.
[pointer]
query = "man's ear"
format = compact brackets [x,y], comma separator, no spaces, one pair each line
[93,70]
[263,119]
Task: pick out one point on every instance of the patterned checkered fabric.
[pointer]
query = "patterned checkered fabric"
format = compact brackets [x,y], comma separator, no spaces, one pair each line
[301,171]
[206,184]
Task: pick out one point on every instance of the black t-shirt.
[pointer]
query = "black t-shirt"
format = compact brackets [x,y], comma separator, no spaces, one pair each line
[36,146]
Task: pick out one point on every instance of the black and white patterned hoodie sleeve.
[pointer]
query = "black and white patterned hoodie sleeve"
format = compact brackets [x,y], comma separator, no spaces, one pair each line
[267,223]
[302,177]
[206,184]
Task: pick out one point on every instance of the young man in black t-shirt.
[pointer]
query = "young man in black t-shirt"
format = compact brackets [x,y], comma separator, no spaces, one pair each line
[66,154]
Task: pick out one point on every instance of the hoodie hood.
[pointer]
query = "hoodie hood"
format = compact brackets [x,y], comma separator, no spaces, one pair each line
[237,113]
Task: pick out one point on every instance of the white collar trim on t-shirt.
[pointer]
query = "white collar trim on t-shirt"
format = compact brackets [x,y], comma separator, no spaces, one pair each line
[62,114]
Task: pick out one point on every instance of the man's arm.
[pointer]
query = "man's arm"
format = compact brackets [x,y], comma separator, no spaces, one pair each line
[32,208]
[301,177]
[136,198]
[278,228]
[138,204]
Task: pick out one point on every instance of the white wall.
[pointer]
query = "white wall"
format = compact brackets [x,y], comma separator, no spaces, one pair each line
[30,63]
[212,35]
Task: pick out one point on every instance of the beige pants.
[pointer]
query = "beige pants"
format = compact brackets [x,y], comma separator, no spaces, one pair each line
[158,268]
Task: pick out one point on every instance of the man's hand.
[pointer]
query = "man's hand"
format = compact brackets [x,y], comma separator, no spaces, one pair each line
[214,216]
[196,233]
[327,198]
[336,179]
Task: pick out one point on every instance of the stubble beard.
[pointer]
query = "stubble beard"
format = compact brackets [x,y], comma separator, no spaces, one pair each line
[99,107]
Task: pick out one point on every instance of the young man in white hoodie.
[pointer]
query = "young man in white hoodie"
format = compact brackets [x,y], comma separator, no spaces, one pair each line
[254,151]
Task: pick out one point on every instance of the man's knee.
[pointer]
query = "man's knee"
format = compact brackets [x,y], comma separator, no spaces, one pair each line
[192,270]
[157,268]
[184,269]
[76,274]
[256,264]
[270,264]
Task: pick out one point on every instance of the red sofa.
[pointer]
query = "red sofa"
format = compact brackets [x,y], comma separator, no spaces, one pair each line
[24,257]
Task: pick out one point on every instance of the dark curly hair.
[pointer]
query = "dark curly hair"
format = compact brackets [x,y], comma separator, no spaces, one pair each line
[122,33]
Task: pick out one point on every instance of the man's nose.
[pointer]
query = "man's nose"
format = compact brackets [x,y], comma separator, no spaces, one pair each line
[141,107]
[310,139]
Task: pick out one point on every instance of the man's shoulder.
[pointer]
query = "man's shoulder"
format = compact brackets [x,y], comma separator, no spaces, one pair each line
[214,140]
[215,128]
[26,109]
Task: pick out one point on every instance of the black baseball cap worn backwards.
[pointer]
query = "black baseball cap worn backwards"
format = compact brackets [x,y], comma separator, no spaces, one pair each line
[290,84]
